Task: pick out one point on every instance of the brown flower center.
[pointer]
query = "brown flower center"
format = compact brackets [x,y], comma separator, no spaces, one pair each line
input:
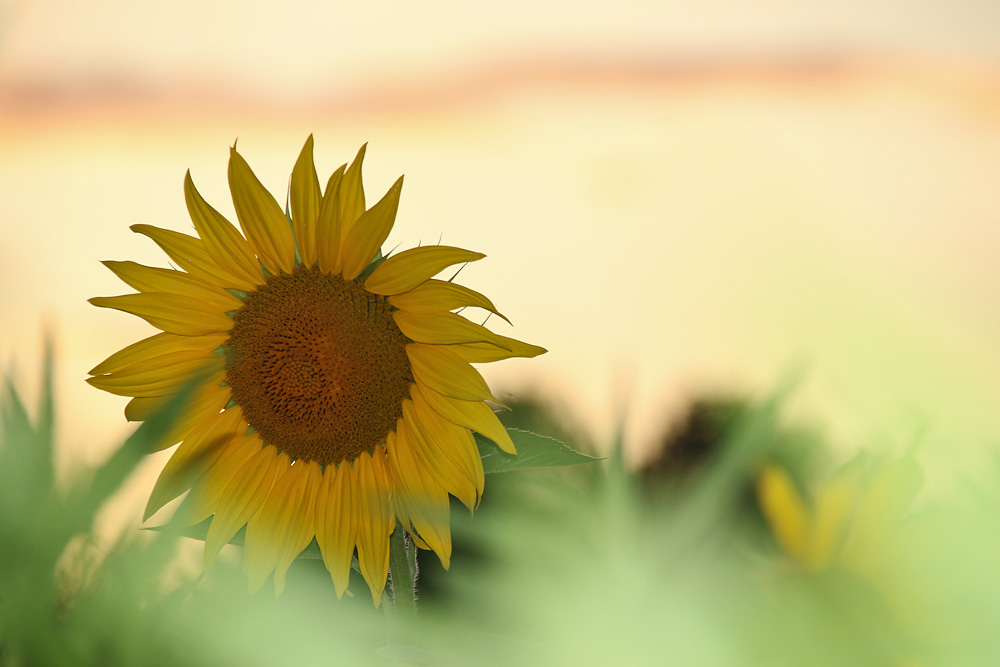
[318,366]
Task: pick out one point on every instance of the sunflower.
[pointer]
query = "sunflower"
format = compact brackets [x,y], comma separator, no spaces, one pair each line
[335,392]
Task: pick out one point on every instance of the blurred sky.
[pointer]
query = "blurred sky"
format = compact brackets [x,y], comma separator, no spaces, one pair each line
[674,197]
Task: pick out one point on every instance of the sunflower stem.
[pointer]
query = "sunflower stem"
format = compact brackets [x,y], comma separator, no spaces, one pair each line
[403,572]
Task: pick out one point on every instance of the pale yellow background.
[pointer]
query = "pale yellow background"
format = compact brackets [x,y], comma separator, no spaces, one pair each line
[674,197]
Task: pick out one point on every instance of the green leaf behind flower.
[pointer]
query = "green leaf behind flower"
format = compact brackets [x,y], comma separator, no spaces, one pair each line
[533,451]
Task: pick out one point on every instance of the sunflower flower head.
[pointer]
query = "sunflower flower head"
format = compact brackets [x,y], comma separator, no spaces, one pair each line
[336,392]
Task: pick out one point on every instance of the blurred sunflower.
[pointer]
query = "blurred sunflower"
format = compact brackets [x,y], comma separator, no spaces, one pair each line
[851,520]
[337,392]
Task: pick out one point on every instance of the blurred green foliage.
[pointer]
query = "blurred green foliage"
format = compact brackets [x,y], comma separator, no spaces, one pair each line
[585,565]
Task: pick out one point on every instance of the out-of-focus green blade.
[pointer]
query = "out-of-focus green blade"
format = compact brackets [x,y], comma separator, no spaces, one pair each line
[25,452]
[199,532]
[110,476]
[46,409]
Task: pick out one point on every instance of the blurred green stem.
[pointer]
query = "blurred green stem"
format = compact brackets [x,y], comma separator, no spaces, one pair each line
[403,572]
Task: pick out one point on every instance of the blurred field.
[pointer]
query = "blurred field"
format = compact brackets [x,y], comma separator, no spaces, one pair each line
[586,565]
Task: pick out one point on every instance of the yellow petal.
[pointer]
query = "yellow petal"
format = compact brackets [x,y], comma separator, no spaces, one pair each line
[419,501]
[155,346]
[208,493]
[260,551]
[266,227]
[438,296]
[442,370]
[223,243]
[445,451]
[299,532]
[173,313]
[371,494]
[443,329]
[403,272]
[366,236]
[236,499]
[784,510]
[474,415]
[351,196]
[337,516]
[208,401]
[305,200]
[277,527]
[162,375]
[141,408]
[481,353]
[190,255]
[152,279]
[328,225]
[414,537]
[193,457]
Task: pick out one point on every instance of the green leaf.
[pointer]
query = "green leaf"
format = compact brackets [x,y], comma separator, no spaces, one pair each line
[533,451]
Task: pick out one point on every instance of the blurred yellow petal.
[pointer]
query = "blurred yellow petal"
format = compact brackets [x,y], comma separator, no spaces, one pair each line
[368,233]
[784,510]
[223,243]
[266,227]
[403,272]
[173,313]
[305,202]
